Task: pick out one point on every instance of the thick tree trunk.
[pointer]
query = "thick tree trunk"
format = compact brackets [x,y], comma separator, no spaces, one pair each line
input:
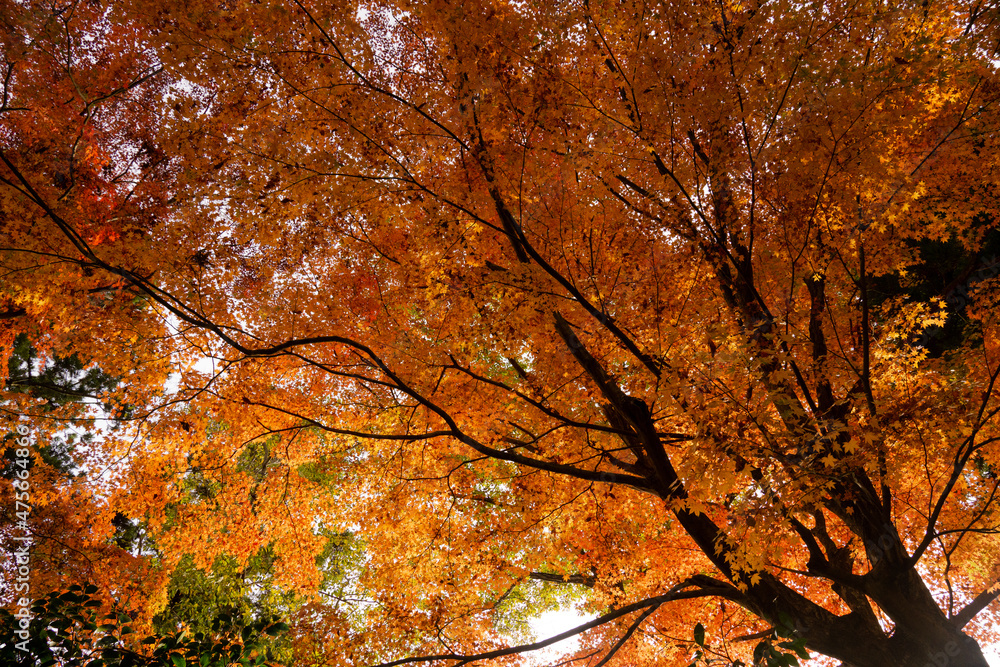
[923,636]
[946,649]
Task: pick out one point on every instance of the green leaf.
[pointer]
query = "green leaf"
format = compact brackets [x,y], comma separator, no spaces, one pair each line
[276,629]
[699,634]
[178,660]
[759,652]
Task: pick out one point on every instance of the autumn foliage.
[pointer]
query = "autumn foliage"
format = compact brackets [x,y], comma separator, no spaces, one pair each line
[685,312]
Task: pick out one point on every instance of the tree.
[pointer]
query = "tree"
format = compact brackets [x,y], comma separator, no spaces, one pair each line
[534,292]
[62,395]
[66,630]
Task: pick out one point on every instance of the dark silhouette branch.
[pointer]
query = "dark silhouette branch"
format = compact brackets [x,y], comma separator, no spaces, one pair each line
[979,603]
[649,605]
[582,579]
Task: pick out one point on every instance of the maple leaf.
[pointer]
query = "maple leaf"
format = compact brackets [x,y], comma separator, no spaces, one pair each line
[440,277]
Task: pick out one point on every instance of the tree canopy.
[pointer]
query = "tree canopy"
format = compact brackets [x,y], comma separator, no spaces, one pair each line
[450,310]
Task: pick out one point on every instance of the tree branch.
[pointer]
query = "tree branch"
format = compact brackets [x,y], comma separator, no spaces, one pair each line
[980,602]
[649,604]
[583,579]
